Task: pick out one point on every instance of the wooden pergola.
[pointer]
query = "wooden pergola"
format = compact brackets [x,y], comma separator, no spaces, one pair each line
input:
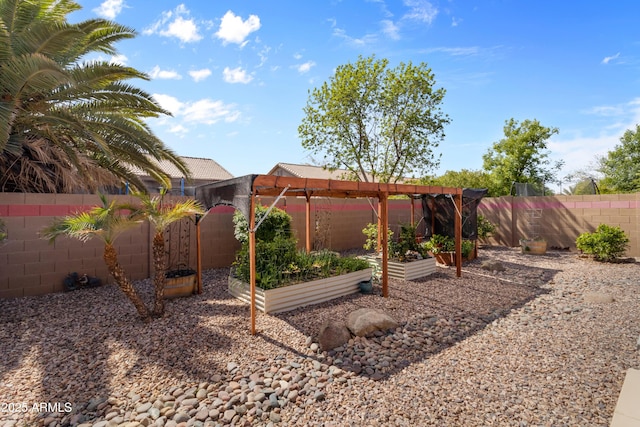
[242,193]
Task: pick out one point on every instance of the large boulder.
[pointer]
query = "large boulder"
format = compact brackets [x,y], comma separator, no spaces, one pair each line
[365,321]
[492,266]
[333,334]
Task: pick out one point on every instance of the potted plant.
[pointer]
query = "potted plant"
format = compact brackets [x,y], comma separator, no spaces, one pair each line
[533,246]
[443,249]
[485,228]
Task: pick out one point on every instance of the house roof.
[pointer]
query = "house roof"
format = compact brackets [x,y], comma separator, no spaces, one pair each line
[310,171]
[201,169]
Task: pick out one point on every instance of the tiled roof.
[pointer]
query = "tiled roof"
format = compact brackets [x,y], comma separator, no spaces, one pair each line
[309,171]
[201,169]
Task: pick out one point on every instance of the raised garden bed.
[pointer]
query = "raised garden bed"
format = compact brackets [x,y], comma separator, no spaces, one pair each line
[405,270]
[290,297]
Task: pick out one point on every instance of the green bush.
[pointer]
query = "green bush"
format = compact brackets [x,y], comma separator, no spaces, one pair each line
[605,244]
[467,248]
[277,223]
[485,227]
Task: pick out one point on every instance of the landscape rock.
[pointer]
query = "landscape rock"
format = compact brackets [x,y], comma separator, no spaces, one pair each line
[366,321]
[333,334]
[492,266]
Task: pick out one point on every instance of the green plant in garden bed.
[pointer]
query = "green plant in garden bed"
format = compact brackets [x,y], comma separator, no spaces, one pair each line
[605,244]
[278,262]
[439,243]
[405,249]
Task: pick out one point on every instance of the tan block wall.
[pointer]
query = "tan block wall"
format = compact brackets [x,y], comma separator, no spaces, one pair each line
[563,218]
[30,265]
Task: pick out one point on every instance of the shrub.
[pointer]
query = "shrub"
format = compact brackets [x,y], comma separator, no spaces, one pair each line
[278,222]
[467,248]
[485,227]
[605,244]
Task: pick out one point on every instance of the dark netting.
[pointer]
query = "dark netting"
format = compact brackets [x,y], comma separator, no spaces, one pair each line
[231,192]
[439,213]
[525,189]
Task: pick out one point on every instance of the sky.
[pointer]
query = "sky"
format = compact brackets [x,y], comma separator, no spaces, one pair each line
[237,75]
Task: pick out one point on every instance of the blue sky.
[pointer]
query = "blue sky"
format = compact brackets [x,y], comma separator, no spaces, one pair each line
[236,75]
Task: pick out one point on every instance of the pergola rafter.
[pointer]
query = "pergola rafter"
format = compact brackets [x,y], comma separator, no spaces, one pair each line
[242,193]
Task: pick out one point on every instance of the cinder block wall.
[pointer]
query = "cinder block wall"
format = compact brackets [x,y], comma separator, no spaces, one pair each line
[29,265]
[563,218]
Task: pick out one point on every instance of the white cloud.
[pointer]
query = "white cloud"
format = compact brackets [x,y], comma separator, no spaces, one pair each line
[169,103]
[455,21]
[608,59]
[207,111]
[353,41]
[177,24]
[305,67]
[236,75]
[297,56]
[455,51]
[118,59]
[179,130]
[199,75]
[420,10]
[390,29]
[109,9]
[234,30]
[579,150]
[157,73]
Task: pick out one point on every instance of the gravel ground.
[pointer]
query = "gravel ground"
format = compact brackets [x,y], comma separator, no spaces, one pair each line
[527,346]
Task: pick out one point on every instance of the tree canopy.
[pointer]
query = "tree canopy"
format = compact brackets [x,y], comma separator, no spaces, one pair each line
[521,156]
[379,123]
[68,125]
[464,178]
[621,166]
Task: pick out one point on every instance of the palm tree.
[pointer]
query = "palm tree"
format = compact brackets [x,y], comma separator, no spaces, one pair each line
[68,125]
[105,222]
[160,216]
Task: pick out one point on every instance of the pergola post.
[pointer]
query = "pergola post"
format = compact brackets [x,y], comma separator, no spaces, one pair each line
[458,232]
[307,195]
[413,211]
[384,237]
[252,259]
[198,256]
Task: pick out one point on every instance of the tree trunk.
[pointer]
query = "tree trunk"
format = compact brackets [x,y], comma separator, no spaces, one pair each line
[111,259]
[160,270]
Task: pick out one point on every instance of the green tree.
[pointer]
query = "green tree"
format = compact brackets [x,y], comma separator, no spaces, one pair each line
[379,123]
[105,222]
[521,156]
[160,216]
[465,178]
[65,124]
[621,166]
